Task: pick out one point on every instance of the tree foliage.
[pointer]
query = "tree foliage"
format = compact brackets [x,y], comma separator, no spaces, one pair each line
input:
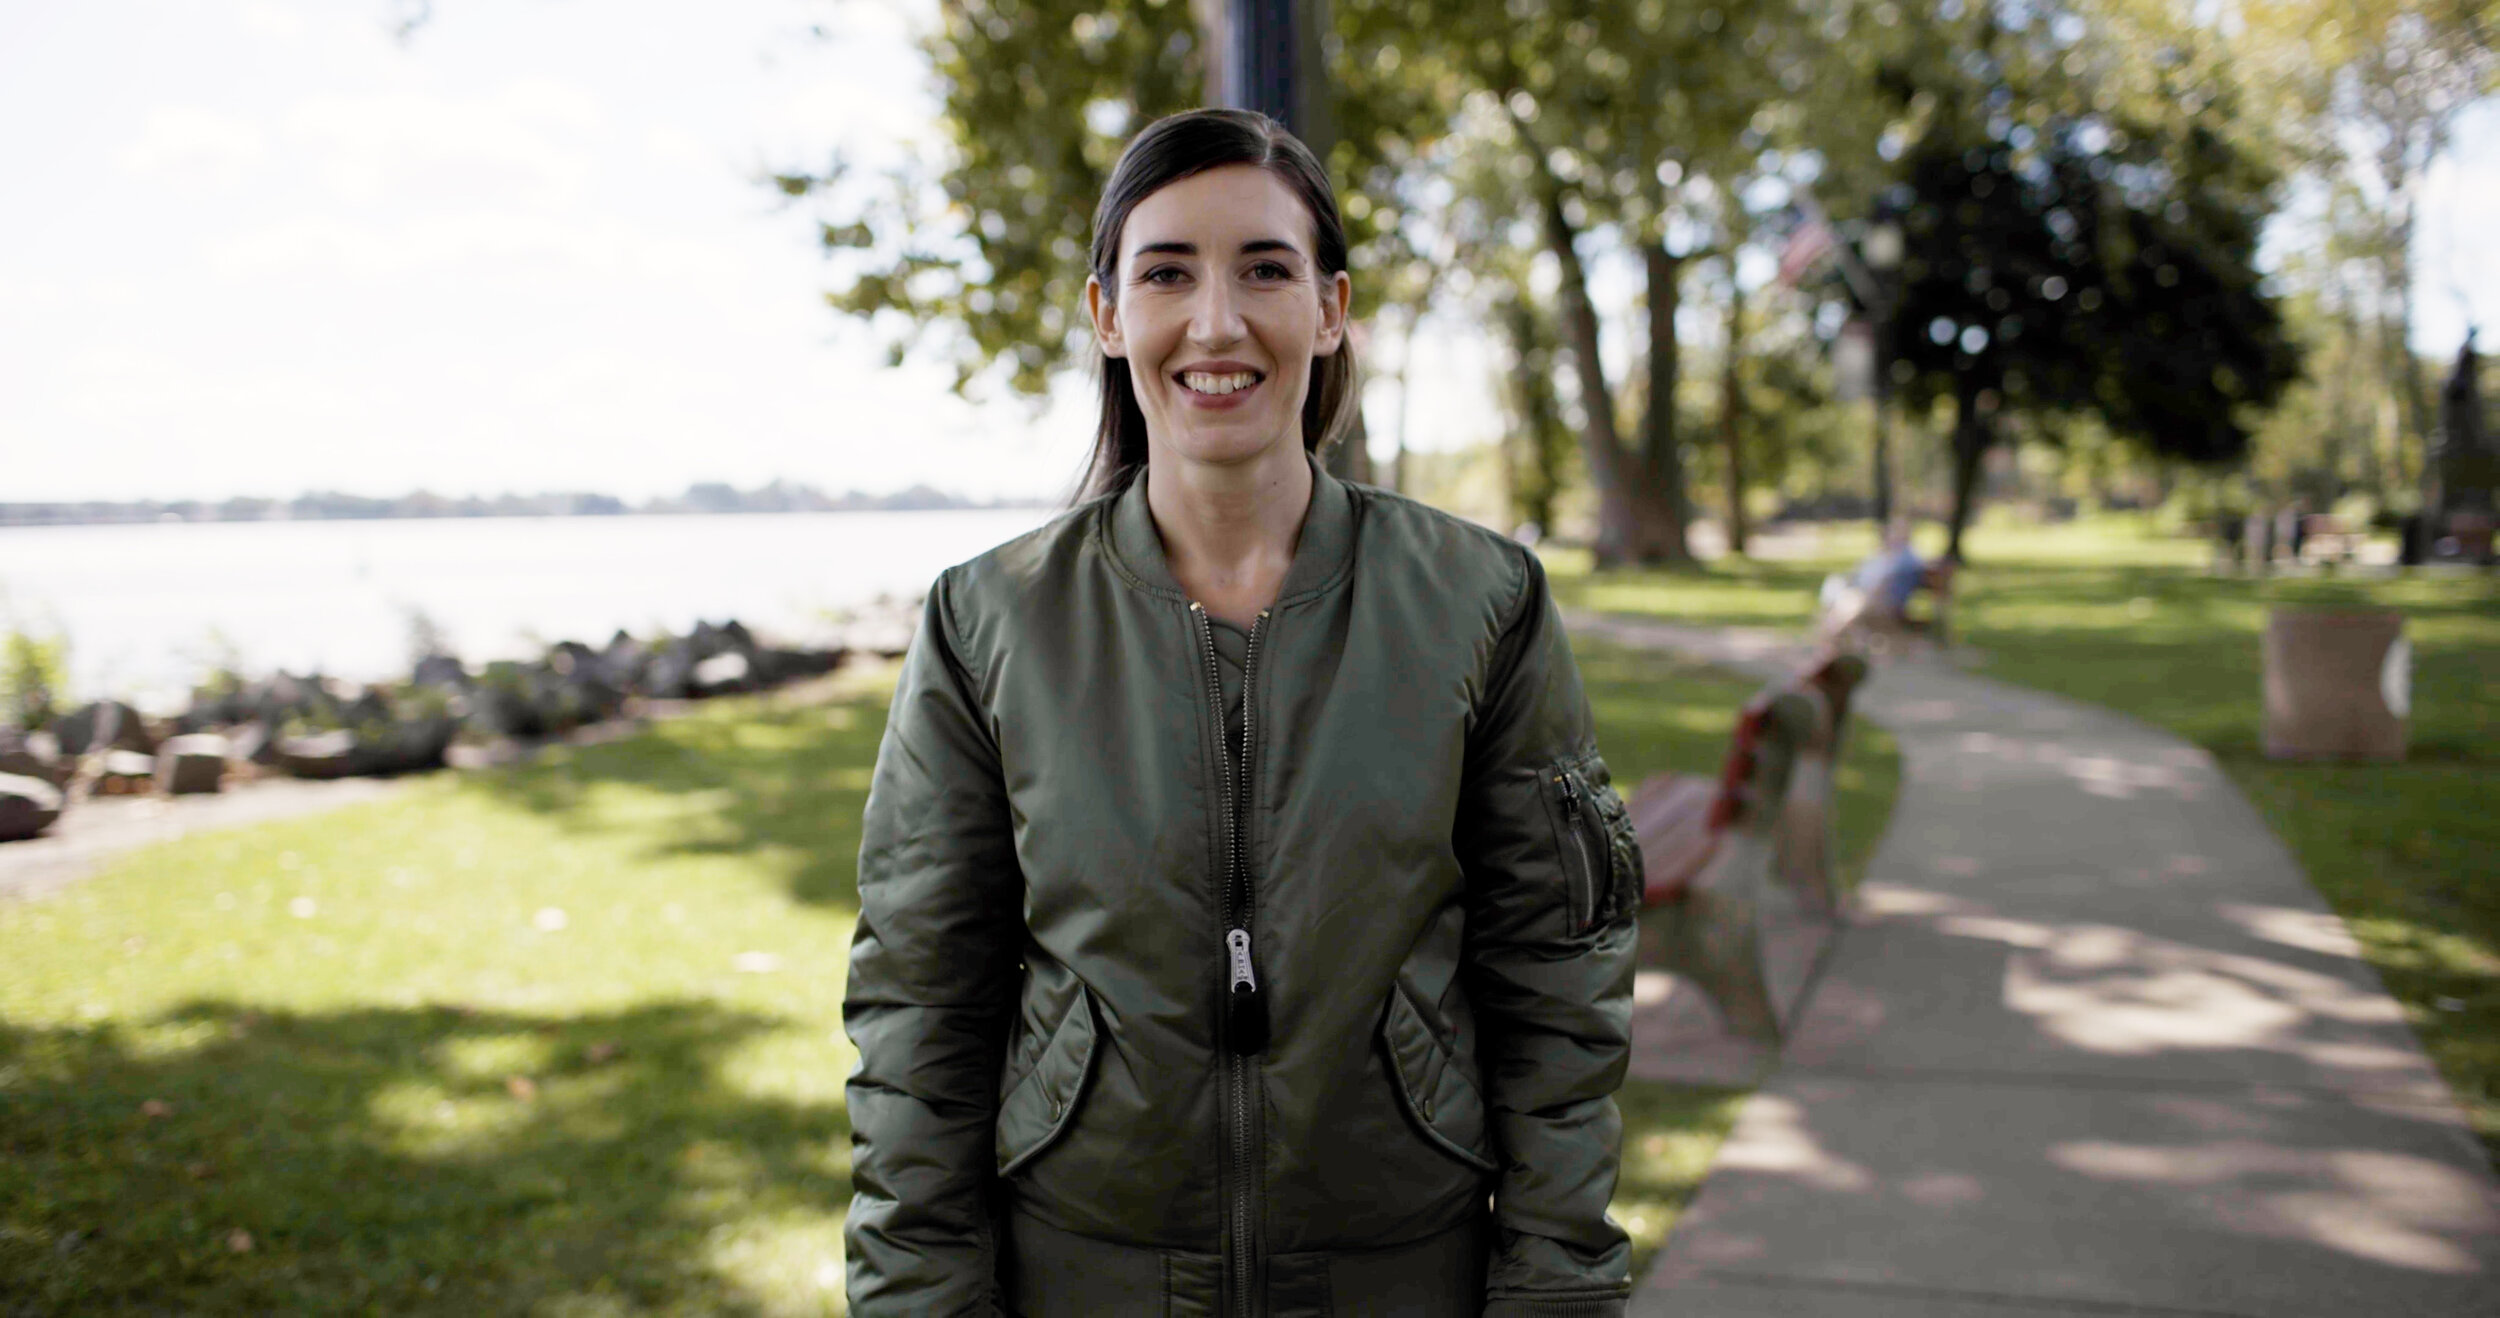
[979,256]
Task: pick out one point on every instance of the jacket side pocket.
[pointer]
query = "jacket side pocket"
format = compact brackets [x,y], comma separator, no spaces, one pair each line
[1433,1086]
[1601,859]
[1037,1104]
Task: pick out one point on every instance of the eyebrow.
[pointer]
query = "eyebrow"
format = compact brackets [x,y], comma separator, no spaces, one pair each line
[1191,249]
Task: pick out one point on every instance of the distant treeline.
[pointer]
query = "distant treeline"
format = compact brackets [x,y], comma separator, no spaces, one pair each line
[328,505]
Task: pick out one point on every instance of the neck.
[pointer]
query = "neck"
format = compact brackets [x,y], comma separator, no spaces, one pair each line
[1229,529]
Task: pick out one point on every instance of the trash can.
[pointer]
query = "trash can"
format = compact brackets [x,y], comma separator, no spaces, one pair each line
[2339,685]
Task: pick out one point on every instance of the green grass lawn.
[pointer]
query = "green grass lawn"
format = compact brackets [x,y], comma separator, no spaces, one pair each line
[561,1039]
[2107,613]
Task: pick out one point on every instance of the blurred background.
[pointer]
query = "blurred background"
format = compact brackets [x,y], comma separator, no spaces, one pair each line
[396,384]
[378,261]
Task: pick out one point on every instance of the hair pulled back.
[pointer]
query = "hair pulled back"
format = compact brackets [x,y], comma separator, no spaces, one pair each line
[1164,152]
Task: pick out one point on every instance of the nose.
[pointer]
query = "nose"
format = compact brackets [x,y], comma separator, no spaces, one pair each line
[1215,315]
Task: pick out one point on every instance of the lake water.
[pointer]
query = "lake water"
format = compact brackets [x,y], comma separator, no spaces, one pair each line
[148,608]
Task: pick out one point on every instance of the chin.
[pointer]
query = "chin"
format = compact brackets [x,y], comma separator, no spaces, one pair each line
[1229,440]
[1228,446]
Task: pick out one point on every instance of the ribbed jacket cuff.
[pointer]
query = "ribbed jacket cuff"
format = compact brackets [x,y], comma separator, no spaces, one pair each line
[1583,1305]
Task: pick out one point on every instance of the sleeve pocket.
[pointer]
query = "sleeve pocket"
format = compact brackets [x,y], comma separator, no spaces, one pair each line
[1434,1087]
[1038,1104]
[1601,857]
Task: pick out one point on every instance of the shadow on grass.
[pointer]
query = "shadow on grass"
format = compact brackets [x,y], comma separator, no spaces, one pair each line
[740,776]
[429,1160]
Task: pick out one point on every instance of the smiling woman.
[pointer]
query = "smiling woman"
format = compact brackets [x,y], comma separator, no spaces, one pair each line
[1245,912]
[1218,253]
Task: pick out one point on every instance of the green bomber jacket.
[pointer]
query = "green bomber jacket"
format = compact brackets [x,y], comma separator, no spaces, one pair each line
[1323,1018]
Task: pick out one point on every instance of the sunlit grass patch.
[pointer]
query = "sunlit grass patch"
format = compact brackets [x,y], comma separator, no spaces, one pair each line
[1670,1136]
[476,1049]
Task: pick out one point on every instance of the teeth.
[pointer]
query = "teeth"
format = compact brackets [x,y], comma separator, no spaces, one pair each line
[1205,383]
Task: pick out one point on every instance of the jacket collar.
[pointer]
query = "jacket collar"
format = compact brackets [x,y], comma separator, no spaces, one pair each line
[1320,557]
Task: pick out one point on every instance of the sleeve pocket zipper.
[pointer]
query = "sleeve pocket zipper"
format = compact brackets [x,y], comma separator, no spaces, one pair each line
[1594,874]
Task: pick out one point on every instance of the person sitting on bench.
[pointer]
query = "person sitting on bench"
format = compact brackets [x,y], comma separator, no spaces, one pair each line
[1876,594]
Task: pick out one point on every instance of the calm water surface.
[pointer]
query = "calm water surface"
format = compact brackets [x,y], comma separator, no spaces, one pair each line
[147,609]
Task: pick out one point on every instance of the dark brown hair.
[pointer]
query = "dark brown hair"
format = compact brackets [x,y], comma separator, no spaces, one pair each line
[1165,152]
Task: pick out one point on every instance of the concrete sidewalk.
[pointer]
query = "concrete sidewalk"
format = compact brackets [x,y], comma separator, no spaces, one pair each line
[2090,1044]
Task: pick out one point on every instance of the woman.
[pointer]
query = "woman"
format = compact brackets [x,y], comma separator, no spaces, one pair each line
[1245,917]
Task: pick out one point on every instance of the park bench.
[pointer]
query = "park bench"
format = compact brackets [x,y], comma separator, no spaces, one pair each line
[1808,845]
[1739,883]
[2324,538]
[1710,848]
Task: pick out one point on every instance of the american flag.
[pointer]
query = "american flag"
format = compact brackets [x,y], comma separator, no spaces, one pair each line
[1808,244]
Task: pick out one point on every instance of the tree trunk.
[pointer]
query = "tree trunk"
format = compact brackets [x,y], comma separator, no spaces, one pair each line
[1533,468]
[1970,444]
[1732,416]
[1664,276]
[1633,523]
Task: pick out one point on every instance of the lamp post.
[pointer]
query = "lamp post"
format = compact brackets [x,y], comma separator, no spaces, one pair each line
[1867,268]
[1882,247]
[1263,70]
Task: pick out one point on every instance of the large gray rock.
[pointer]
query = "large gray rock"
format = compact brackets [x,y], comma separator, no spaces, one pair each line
[723,673]
[254,743]
[511,701]
[441,670]
[27,806]
[409,746]
[318,754]
[668,670]
[103,725]
[222,700]
[192,763]
[34,755]
[120,773]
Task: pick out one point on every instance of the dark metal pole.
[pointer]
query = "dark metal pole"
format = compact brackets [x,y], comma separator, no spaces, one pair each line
[1883,422]
[1264,76]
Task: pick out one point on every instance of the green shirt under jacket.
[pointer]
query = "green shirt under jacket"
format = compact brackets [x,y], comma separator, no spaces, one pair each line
[1327,1022]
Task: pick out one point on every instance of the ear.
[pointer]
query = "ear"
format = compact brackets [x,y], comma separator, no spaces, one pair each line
[1336,300]
[1104,310]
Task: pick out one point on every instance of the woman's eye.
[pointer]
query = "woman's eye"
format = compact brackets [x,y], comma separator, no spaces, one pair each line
[1165,274]
[1269,270]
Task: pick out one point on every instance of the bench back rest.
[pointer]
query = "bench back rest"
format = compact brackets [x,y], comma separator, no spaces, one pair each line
[1835,677]
[1774,728]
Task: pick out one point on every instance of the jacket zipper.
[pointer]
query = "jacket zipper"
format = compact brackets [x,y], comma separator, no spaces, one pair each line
[1579,843]
[1245,1009]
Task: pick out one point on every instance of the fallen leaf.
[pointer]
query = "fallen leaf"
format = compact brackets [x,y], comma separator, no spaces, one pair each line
[157,1108]
[197,1171]
[600,1052]
[521,1087]
[239,1240]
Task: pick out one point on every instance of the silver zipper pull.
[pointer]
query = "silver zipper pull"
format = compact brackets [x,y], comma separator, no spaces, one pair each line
[1237,943]
[1571,794]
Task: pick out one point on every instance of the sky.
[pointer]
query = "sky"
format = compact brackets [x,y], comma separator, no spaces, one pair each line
[255,247]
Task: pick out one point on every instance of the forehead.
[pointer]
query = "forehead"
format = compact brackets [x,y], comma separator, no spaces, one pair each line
[1219,210]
